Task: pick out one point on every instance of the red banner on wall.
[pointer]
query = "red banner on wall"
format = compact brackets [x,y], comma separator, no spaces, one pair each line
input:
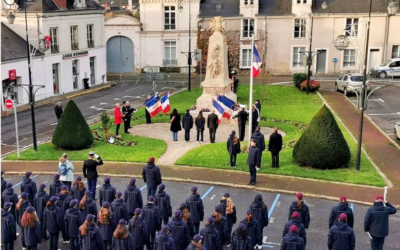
[12,74]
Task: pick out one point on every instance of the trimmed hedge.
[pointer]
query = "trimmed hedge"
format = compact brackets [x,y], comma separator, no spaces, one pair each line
[322,145]
[72,132]
[298,78]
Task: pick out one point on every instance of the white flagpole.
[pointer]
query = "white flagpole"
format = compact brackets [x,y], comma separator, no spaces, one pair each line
[251,89]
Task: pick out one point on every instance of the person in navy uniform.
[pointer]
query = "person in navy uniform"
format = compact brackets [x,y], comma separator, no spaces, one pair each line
[187,124]
[53,220]
[376,222]
[301,207]
[300,227]
[87,205]
[210,235]
[241,239]
[106,225]
[63,203]
[151,215]
[122,239]
[138,229]
[163,241]
[179,231]
[186,218]
[8,195]
[133,197]
[8,227]
[253,229]
[221,225]
[3,182]
[55,187]
[196,243]
[254,161]
[29,186]
[89,235]
[292,241]
[260,212]
[78,188]
[107,192]
[72,222]
[195,206]
[119,209]
[260,141]
[342,207]
[275,146]
[341,236]
[39,203]
[21,206]
[163,202]
[233,147]
[90,171]
[242,116]
[31,232]
[229,212]
[152,177]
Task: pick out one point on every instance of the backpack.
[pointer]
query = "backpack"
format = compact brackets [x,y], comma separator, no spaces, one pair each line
[62,169]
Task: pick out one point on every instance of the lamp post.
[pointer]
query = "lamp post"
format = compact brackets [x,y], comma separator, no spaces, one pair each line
[189,56]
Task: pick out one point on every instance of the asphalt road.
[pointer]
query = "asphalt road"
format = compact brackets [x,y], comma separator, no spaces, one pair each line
[91,105]
[278,205]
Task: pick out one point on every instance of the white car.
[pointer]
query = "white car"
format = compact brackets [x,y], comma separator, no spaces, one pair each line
[350,82]
[389,68]
[397,130]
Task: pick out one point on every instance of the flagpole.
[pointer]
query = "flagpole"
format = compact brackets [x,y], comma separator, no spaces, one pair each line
[251,88]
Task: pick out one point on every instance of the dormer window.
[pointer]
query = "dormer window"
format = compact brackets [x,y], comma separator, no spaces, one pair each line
[248,2]
[218,6]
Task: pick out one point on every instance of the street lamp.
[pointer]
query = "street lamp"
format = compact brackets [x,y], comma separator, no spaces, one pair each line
[10,18]
[393,7]
[189,54]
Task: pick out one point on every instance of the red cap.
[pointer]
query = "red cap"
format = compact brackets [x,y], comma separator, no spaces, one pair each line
[299,195]
[343,198]
[379,197]
[151,159]
[295,215]
[343,216]
[293,228]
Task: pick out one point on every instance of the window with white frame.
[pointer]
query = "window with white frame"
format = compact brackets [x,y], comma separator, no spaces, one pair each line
[351,27]
[248,27]
[248,2]
[169,17]
[74,37]
[300,28]
[349,58]
[54,40]
[170,54]
[298,58]
[396,51]
[90,40]
[246,58]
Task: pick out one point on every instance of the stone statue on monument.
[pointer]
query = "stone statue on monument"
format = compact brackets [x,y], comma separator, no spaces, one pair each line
[215,66]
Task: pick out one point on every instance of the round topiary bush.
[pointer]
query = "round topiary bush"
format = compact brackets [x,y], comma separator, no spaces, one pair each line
[72,132]
[322,145]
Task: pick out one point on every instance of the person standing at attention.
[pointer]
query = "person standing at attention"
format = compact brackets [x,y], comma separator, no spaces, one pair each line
[233,146]
[152,177]
[253,160]
[341,236]
[175,119]
[90,172]
[118,117]
[59,111]
[242,119]
[260,142]
[301,207]
[275,146]
[255,119]
[200,124]
[125,113]
[148,117]
[187,124]
[212,124]
[258,105]
[196,208]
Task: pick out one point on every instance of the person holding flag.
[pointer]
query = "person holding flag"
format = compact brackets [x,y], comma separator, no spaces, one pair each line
[148,117]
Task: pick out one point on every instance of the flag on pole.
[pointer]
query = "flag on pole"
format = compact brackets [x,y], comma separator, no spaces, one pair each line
[153,106]
[227,102]
[219,110]
[256,62]
[165,104]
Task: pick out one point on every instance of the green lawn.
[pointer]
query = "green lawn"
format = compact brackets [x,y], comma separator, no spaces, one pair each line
[285,103]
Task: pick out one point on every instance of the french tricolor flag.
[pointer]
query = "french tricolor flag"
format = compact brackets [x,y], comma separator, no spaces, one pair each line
[256,62]
[165,104]
[219,110]
[153,106]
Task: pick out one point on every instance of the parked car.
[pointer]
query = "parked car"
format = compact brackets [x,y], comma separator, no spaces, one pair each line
[397,130]
[389,68]
[350,82]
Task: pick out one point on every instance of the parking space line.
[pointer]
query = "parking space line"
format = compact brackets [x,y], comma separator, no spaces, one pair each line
[16,185]
[268,246]
[208,191]
[352,207]
[273,205]
[143,187]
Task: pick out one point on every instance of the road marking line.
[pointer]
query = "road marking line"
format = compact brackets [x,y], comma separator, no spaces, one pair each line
[133,88]
[103,103]
[271,220]
[116,99]
[143,187]
[97,186]
[268,246]
[16,185]
[208,191]
[398,113]
[352,207]
[50,125]
[212,197]
[273,205]
[380,100]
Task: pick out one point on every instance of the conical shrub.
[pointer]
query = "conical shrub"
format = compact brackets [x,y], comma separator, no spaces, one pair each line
[322,145]
[72,132]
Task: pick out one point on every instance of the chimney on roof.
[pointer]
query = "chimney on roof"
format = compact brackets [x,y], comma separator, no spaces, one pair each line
[62,4]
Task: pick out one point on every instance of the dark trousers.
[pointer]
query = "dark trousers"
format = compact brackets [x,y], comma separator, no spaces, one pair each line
[64,234]
[74,243]
[117,130]
[233,160]
[152,237]
[32,248]
[148,117]
[8,245]
[43,230]
[200,134]
[275,159]
[229,235]
[187,135]
[253,173]
[212,134]
[126,125]
[253,127]
[68,184]
[377,243]
[242,127]
[53,241]
[196,228]
[165,221]
[151,192]
[129,121]
[92,187]
[107,245]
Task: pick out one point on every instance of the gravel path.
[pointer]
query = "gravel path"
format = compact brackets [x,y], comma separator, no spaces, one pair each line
[176,149]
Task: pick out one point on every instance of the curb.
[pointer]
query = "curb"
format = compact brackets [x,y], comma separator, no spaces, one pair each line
[87,92]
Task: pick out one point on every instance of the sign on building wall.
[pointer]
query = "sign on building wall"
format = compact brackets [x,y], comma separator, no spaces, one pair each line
[151,69]
[12,74]
[75,54]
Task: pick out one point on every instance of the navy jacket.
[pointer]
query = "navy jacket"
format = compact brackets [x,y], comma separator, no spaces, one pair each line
[187,121]
[200,123]
[164,242]
[300,227]
[341,237]
[123,244]
[240,243]
[193,247]
[188,222]
[376,220]
[195,206]
[55,188]
[52,218]
[76,194]
[92,240]
[106,193]
[63,203]
[179,233]
[342,207]
[90,208]
[275,142]
[39,203]
[140,235]
[233,149]
[9,196]
[211,240]
[260,140]
[260,213]
[21,211]
[3,185]
[133,198]
[230,218]
[72,221]
[119,210]
[28,186]
[151,215]
[254,231]
[163,202]
[8,226]
[304,213]
[90,168]
[151,175]
[292,242]
[32,235]
[222,228]
[107,230]
[254,158]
